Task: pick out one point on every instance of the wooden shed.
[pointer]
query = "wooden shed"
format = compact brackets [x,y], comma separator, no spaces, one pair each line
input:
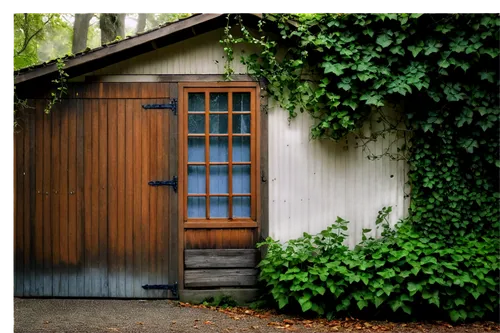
[155,178]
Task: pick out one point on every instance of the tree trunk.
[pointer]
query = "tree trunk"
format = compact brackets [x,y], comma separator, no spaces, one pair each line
[152,20]
[141,23]
[112,26]
[80,32]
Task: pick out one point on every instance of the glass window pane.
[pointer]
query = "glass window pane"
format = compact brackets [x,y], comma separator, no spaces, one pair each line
[196,149]
[196,123]
[218,123]
[241,149]
[218,149]
[196,207]
[241,123]
[196,179]
[241,102]
[219,207]
[241,206]
[218,102]
[241,179]
[219,179]
[196,102]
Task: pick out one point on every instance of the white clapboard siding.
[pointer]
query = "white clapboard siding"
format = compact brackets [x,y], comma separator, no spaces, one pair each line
[201,54]
[310,182]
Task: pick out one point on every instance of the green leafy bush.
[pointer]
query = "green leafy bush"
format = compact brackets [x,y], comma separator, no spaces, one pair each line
[401,273]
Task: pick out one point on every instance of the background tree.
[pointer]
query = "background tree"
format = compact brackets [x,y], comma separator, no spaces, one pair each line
[80,32]
[31,30]
[141,22]
[112,26]
[44,37]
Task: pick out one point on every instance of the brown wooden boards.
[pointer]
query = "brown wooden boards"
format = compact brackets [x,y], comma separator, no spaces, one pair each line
[87,224]
[236,277]
[228,258]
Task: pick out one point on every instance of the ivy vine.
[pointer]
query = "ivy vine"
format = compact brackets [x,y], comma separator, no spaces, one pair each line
[60,83]
[61,86]
[442,69]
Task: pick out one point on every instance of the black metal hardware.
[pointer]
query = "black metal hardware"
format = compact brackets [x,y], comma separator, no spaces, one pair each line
[172,106]
[172,183]
[171,287]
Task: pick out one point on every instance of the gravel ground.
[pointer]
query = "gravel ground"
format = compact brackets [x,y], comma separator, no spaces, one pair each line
[84,315]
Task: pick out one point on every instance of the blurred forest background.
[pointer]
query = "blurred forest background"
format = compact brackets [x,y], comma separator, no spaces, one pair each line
[42,37]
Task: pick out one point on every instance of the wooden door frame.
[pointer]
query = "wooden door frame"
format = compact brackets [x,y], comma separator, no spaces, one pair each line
[261,159]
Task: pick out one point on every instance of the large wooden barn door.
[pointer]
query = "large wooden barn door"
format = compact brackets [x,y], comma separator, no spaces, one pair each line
[87,224]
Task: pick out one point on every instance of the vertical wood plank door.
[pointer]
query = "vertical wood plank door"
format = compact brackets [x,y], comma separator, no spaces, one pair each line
[87,223]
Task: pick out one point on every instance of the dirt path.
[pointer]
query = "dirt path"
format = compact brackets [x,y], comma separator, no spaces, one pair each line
[77,315]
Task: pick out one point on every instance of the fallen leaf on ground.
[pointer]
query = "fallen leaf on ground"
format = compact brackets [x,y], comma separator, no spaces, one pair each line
[208,322]
[273,323]
[140,323]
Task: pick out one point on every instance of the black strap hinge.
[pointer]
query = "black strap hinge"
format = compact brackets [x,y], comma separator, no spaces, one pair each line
[172,287]
[172,183]
[172,106]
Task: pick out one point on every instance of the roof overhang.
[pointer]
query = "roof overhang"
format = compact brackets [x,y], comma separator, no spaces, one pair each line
[106,55]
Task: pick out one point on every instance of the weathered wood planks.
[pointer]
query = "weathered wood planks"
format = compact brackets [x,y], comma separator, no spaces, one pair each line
[236,277]
[221,258]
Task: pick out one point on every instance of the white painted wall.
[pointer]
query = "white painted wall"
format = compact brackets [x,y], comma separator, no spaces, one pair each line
[310,182]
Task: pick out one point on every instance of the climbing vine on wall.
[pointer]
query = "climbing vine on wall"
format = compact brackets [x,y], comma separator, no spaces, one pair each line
[60,89]
[443,70]
[60,84]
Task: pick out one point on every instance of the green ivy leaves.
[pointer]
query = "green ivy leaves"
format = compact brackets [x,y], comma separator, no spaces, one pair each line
[384,40]
[372,99]
[335,68]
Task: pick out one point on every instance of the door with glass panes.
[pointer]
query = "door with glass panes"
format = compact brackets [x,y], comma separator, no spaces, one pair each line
[219,162]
